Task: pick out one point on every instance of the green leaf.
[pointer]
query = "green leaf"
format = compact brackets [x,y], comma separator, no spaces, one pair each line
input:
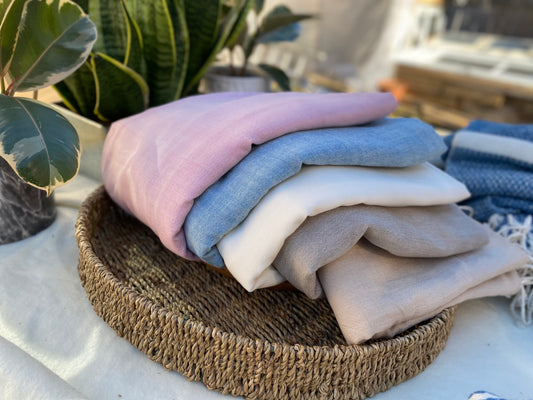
[111,25]
[11,12]
[78,91]
[84,4]
[230,20]
[164,43]
[202,23]
[239,28]
[279,17]
[67,96]
[55,38]
[134,46]
[176,9]
[39,144]
[278,76]
[120,91]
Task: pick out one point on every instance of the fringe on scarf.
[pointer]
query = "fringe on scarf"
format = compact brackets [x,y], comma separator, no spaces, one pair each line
[521,233]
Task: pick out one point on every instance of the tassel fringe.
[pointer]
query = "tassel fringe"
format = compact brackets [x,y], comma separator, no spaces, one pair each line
[522,234]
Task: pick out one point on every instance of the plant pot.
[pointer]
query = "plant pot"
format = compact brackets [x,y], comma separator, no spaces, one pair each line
[24,209]
[219,79]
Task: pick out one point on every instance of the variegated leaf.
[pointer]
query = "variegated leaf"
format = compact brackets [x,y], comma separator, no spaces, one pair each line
[55,37]
[39,144]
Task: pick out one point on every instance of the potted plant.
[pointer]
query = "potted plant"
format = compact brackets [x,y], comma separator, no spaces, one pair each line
[278,25]
[41,42]
[148,52]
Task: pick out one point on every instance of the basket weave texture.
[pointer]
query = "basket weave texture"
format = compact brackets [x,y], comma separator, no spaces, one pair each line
[262,345]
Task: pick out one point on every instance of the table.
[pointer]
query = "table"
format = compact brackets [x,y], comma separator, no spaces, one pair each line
[53,346]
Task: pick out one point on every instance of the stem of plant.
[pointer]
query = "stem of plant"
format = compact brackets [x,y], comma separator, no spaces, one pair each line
[35,94]
[2,85]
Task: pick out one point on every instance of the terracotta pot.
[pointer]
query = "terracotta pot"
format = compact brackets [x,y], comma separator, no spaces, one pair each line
[219,79]
[24,210]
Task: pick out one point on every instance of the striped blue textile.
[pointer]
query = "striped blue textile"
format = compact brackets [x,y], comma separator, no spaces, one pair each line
[495,162]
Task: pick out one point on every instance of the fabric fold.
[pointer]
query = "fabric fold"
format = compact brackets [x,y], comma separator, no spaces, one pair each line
[430,232]
[376,294]
[249,250]
[155,163]
[390,142]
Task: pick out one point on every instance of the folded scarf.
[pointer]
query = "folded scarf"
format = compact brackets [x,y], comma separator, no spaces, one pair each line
[250,248]
[376,294]
[495,162]
[398,142]
[154,164]
[432,231]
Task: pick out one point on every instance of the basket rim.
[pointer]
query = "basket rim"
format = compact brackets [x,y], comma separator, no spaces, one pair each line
[365,349]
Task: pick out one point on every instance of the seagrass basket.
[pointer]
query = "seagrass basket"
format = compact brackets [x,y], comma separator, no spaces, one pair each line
[263,345]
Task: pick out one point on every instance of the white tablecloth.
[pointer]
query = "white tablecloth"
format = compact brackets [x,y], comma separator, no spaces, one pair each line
[53,346]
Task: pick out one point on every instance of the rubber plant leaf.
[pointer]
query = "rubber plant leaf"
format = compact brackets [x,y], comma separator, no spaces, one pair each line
[163,68]
[203,17]
[120,91]
[78,91]
[84,4]
[230,21]
[278,76]
[279,17]
[39,144]
[55,38]
[10,14]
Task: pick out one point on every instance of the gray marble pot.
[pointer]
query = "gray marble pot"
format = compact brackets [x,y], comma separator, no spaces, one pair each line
[24,210]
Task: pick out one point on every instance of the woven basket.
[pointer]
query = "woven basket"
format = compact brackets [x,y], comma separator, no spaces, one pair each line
[261,345]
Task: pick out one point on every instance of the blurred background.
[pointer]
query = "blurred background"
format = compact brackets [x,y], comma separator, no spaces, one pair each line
[446,61]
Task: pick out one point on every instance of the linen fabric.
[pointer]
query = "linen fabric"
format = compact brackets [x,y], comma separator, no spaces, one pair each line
[155,163]
[495,162]
[249,250]
[432,231]
[23,377]
[376,294]
[397,142]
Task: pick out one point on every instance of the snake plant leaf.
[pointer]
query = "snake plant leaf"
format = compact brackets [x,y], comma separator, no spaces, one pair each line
[111,27]
[134,44]
[120,91]
[39,144]
[182,40]
[202,18]
[281,16]
[78,91]
[10,14]
[278,76]
[49,48]
[233,18]
[164,69]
